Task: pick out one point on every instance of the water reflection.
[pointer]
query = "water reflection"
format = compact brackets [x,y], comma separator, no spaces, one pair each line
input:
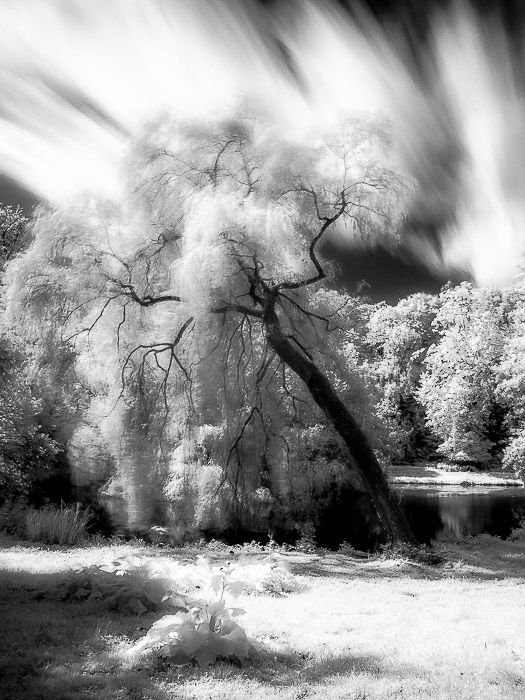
[438,514]
[434,514]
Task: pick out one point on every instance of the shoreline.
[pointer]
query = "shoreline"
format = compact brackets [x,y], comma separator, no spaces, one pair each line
[426,475]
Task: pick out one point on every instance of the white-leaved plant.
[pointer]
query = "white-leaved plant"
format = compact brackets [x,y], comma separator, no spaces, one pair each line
[270,575]
[206,633]
[199,630]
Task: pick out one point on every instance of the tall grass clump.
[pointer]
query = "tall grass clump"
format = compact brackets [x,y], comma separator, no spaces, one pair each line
[64,525]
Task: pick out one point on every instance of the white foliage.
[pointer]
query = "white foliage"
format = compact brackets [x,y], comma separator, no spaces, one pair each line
[207,631]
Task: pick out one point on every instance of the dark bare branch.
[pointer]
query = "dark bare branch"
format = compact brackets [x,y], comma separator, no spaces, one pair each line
[327,222]
[128,290]
[88,329]
[226,307]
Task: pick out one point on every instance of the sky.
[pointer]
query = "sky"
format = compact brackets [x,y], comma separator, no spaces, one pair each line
[454,87]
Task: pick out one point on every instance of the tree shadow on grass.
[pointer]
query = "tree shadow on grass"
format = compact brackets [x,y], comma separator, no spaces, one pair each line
[483,557]
[342,566]
[284,673]
[61,649]
[313,669]
[69,650]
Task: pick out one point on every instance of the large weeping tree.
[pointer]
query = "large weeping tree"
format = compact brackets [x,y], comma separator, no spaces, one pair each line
[223,228]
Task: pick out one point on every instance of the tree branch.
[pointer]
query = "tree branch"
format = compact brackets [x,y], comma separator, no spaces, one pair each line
[147,300]
[327,222]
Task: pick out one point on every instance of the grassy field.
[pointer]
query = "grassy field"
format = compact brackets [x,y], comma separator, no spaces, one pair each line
[358,628]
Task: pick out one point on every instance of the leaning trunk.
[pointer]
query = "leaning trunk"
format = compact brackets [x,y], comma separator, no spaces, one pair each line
[362,457]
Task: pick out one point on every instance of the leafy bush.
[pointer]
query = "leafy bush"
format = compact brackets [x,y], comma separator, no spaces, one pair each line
[12,516]
[64,525]
[205,633]
[349,550]
[202,630]
[270,575]
[518,534]
[158,535]
[419,554]
[514,455]
[128,592]
[30,456]
[307,542]
[163,581]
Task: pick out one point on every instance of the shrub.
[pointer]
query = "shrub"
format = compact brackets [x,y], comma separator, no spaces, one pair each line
[418,554]
[12,516]
[204,636]
[514,455]
[127,591]
[205,633]
[64,525]
[307,542]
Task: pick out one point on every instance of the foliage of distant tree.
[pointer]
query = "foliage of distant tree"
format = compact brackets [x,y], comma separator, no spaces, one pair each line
[35,385]
[12,233]
[399,337]
[511,386]
[29,455]
[459,385]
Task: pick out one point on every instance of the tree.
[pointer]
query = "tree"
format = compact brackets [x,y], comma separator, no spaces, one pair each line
[459,385]
[29,453]
[510,390]
[400,337]
[219,246]
[12,233]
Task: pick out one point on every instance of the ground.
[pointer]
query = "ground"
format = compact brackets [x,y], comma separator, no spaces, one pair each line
[361,628]
[428,474]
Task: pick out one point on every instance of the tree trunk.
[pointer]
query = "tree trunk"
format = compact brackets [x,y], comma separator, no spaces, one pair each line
[362,457]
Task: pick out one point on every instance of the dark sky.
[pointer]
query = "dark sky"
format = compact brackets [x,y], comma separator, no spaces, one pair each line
[12,193]
[390,275]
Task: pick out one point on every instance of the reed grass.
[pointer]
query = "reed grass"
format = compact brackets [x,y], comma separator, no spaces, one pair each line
[64,525]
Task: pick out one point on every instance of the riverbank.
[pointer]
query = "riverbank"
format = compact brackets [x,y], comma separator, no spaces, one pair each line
[431,475]
[355,628]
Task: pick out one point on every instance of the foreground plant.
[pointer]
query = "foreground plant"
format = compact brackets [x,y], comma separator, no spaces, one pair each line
[418,554]
[203,635]
[64,525]
[199,630]
[207,632]
[127,592]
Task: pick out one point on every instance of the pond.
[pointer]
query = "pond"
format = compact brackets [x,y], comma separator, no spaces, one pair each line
[434,513]
[442,513]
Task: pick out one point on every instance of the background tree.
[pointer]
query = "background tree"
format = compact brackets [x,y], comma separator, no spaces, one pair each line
[12,233]
[459,386]
[399,337]
[31,454]
[510,390]
[30,458]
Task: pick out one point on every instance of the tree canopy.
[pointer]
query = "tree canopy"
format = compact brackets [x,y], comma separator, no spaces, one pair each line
[198,360]
[213,261]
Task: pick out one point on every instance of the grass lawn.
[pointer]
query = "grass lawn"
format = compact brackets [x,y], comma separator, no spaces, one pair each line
[359,628]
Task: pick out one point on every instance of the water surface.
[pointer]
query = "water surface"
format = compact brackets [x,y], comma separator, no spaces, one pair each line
[449,512]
